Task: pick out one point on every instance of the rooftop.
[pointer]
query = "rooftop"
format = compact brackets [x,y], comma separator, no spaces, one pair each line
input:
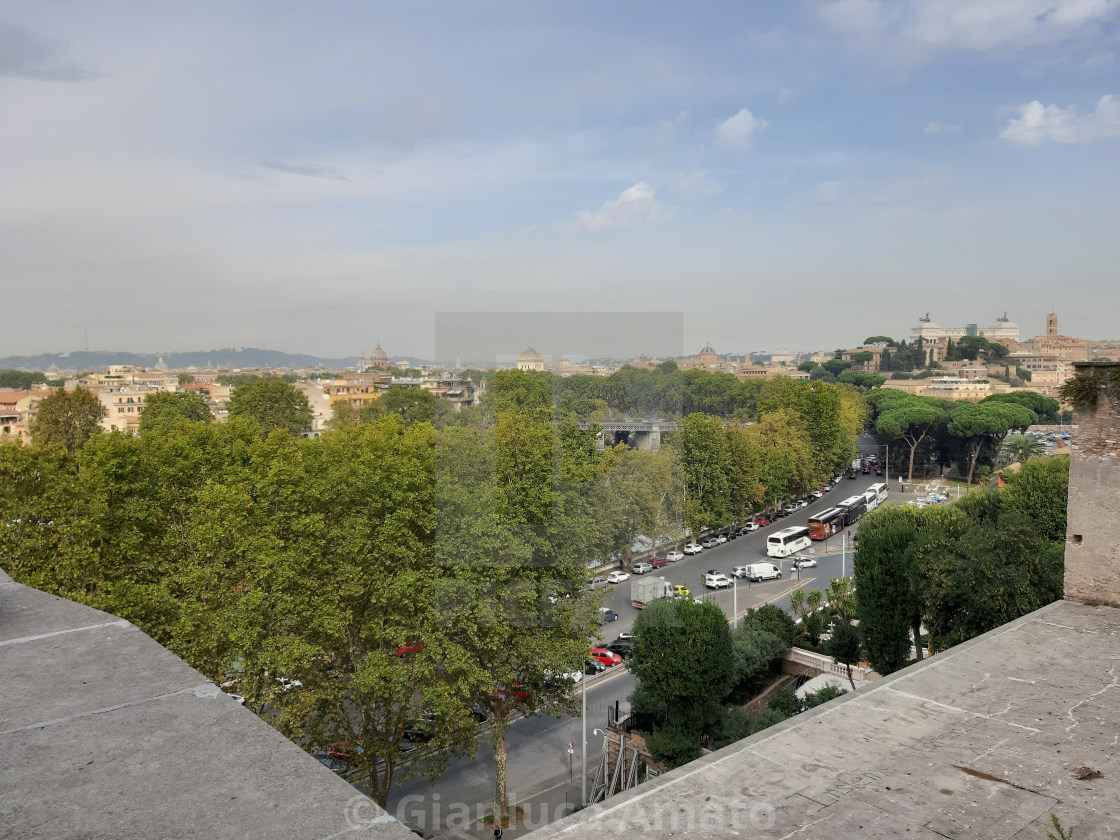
[106,734]
[986,740]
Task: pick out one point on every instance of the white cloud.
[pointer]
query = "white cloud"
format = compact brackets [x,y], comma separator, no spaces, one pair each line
[696,182]
[634,206]
[939,127]
[827,192]
[967,24]
[1038,123]
[736,132]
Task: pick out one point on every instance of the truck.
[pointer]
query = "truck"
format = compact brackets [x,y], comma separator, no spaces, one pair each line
[857,464]
[647,589]
[763,571]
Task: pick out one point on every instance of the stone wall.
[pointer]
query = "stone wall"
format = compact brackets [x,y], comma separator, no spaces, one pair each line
[1093,529]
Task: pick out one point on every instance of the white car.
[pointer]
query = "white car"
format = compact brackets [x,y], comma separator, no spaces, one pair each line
[617,577]
[710,542]
[717,580]
[643,568]
[817,494]
[804,563]
[721,539]
[674,556]
[750,526]
[693,548]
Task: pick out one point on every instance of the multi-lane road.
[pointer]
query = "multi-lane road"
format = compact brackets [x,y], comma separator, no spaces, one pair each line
[539,767]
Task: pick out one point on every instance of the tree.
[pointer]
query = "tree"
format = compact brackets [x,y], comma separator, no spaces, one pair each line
[343,414]
[164,408]
[1040,490]
[879,341]
[976,423]
[807,367]
[886,578]
[184,378]
[844,646]
[910,420]
[755,650]
[1046,408]
[1019,446]
[841,596]
[863,381]
[970,347]
[274,404]
[836,366]
[683,660]
[67,418]
[20,380]
[701,446]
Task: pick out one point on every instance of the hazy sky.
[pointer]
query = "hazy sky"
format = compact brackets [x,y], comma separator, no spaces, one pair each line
[313,177]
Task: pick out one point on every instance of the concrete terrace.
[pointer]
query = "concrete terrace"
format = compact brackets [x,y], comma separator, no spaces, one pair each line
[984,740]
[105,734]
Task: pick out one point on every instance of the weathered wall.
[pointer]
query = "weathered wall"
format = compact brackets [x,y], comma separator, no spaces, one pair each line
[1093,529]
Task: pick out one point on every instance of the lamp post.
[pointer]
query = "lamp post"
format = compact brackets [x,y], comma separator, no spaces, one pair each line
[583,748]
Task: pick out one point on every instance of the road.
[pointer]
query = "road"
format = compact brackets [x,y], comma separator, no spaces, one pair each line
[538,763]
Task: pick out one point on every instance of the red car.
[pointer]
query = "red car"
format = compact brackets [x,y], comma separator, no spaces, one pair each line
[605,656]
[658,562]
[762,520]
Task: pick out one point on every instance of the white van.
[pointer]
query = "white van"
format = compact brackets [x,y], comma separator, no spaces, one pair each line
[763,571]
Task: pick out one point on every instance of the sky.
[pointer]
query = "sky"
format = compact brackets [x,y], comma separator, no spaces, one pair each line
[315,178]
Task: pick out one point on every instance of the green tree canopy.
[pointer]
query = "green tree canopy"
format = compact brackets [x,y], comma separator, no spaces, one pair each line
[836,366]
[20,380]
[977,423]
[274,404]
[1046,408]
[909,420]
[863,381]
[67,418]
[879,341]
[163,408]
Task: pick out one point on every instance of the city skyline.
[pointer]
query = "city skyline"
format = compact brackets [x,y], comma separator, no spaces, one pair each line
[787,176]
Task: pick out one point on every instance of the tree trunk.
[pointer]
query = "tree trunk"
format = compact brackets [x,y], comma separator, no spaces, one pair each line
[918,638]
[853,682]
[972,460]
[501,802]
[913,449]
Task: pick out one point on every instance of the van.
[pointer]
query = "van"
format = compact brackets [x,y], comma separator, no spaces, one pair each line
[763,571]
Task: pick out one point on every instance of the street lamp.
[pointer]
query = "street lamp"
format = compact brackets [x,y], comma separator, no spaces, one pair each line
[583,749]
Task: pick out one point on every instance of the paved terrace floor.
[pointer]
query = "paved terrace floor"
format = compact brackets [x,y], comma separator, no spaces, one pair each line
[105,734]
[983,741]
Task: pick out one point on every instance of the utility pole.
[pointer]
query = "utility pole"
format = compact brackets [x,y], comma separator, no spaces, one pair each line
[583,750]
[844,555]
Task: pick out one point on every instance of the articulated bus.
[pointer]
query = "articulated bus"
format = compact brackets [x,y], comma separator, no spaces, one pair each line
[875,495]
[854,507]
[787,541]
[826,523]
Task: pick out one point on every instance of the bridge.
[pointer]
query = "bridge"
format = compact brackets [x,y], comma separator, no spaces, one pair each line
[638,434]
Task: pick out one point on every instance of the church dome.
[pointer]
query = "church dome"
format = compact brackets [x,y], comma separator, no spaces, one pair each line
[707,350]
[530,355]
[378,355]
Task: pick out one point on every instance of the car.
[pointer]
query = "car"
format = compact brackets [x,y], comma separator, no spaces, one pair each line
[674,556]
[711,542]
[748,527]
[606,614]
[288,684]
[878,471]
[803,562]
[789,509]
[721,538]
[346,752]
[763,571]
[643,568]
[241,700]
[733,534]
[624,637]
[617,577]
[739,572]
[594,583]
[817,494]
[851,473]
[717,580]
[780,513]
[332,764]
[681,591]
[693,548]
[659,562]
[802,504]
[866,470]
[593,666]
[606,657]
[763,521]
[563,677]
[623,647]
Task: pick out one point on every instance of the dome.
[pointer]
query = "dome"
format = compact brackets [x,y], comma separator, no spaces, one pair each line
[530,355]
[707,350]
[378,355]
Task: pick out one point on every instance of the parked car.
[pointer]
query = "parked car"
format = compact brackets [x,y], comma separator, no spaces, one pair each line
[717,580]
[748,527]
[721,538]
[763,521]
[605,657]
[817,494]
[681,591]
[803,562]
[733,534]
[623,647]
[642,568]
[606,614]
[659,562]
[617,577]
[674,556]
[594,583]
[332,764]
[711,542]
[739,572]
[693,548]
[593,666]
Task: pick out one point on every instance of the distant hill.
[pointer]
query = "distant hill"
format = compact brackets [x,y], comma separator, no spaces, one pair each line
[241,357]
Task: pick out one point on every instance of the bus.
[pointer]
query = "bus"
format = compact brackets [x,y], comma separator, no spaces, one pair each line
[875,495]
[826,523]
[787,541]
[854,507]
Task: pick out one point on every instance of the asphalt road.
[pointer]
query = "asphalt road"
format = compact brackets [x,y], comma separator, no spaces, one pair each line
[538,770]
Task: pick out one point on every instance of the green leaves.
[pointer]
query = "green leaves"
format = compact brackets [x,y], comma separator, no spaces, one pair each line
[274,404]
[67,418]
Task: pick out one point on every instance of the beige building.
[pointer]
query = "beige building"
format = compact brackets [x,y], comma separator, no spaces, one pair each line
[1054,346]
[956,388]
[530,359]
[17,410]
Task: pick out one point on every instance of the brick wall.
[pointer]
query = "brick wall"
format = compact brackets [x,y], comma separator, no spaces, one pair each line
[1093,529]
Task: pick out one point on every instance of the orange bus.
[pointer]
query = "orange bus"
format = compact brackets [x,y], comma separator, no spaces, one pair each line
[826,523]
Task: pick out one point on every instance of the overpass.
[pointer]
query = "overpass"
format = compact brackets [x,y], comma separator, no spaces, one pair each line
[638,434]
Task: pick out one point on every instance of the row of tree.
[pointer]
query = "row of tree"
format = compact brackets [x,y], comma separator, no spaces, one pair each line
[960,431]
[960,569]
